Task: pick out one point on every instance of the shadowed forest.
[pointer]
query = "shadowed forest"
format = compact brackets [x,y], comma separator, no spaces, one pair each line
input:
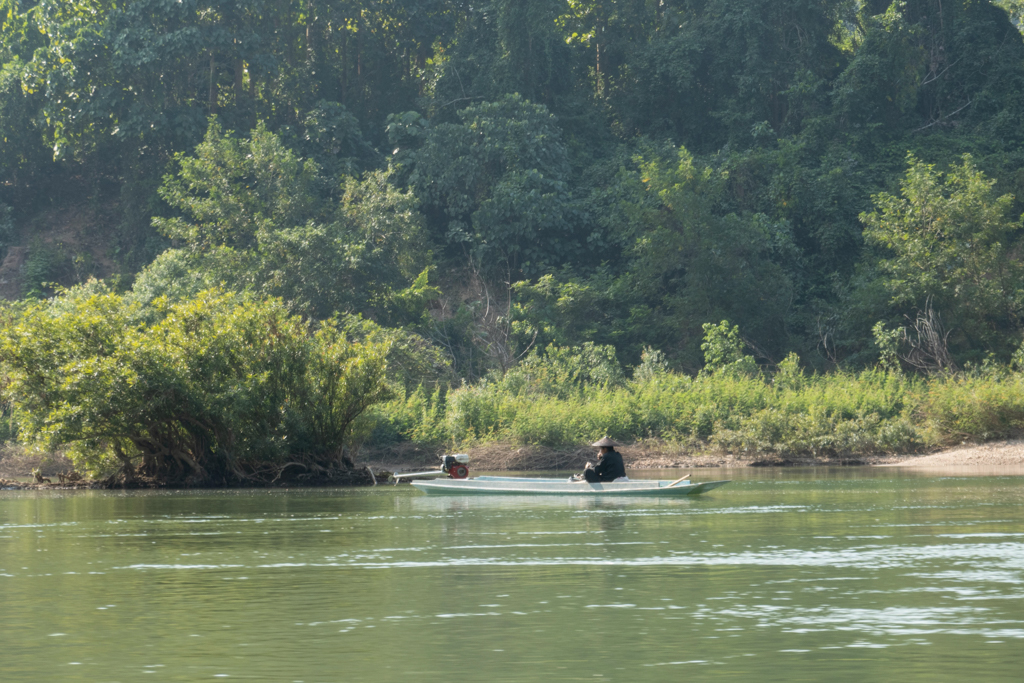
[243,237]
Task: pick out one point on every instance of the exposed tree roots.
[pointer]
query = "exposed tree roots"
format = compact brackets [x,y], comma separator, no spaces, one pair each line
[290,474]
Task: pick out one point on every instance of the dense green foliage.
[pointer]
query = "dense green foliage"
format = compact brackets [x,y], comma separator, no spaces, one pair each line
[565,396]
[253,215]
[947,241]
[210,390]
[839,179]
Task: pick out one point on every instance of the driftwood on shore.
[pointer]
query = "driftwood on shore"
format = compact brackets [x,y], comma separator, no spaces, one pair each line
[13,485]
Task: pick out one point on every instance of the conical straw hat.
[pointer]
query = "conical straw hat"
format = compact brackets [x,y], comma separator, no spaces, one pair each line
[604,443]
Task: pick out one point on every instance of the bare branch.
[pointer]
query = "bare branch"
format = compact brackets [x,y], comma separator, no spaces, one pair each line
[928,342]
[943,118]
[826,346]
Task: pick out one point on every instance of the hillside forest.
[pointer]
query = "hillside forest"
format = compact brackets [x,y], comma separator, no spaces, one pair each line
[272,230]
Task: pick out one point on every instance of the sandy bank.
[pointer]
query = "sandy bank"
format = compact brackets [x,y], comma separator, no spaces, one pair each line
[17,464]
[994,454]
[651,454]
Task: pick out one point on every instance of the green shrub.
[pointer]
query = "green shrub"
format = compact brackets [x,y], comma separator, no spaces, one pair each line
[416,416]
[973,407]
[564,371]
[208,389]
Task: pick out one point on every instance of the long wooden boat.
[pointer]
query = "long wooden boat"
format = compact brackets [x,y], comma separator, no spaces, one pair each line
[525,486]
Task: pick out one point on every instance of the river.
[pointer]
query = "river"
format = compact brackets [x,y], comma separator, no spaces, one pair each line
[838,575]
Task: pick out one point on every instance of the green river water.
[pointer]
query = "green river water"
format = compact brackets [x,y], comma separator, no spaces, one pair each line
[834,575]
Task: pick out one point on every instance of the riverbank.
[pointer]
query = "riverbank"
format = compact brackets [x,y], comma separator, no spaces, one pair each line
[21,470]
[994,454]
[16,469]
[655,454]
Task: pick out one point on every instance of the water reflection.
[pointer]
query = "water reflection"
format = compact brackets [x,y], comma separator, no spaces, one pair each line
[450,504]
[612,522]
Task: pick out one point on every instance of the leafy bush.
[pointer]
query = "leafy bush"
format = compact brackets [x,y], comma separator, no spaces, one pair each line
[204,390]
[723,349]
[416,416]
[974,407]
[565,371]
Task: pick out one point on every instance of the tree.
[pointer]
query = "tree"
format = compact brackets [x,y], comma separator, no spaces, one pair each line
[686,261]
[495,185]
[533,58]
[781,56]
[23,156]
[258,217]
[210,390]
[723,350]
[926,65]
[949,240]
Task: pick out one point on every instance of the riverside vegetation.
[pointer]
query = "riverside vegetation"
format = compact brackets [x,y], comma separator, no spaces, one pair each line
[215,390]
[245,238]
[563,397]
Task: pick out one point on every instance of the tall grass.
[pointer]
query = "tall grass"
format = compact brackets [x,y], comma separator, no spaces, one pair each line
[842,413]
[973,407]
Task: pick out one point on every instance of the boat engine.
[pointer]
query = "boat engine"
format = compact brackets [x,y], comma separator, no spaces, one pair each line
[455,465]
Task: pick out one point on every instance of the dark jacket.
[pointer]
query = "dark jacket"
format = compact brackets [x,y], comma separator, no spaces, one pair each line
[610,466]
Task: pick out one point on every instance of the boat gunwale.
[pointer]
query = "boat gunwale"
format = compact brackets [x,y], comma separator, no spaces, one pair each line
[561,488]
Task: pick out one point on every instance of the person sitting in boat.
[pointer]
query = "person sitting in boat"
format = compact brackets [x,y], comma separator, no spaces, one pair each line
[609,465]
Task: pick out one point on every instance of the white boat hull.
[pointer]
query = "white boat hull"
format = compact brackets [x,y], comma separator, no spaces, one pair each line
[524,486]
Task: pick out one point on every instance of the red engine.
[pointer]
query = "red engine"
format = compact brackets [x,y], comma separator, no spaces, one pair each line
[455,465]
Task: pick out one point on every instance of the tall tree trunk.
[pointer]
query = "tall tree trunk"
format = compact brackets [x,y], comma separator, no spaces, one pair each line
[344,64]
[529,69]
[309,30]
[213,84]
[239,86]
